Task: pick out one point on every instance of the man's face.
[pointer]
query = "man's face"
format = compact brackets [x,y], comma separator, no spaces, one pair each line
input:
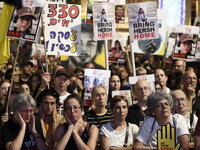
[123,72]
[142,90]
[190,80]
[179,66]
[89,48]
[48,104]
[23,23]
[119,12]
[185,47]
[61,82]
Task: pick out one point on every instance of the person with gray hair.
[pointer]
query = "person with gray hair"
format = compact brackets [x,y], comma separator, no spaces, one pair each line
[159,105]
[19,132]
[140,71]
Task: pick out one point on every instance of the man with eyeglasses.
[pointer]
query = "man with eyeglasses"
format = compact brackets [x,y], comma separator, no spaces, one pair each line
[47,118]
[137,112]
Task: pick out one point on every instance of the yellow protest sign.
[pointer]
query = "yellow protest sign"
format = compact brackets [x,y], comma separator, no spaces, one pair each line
[167,138]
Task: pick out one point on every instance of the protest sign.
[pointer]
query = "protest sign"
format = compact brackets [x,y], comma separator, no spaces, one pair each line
[150,78]
[186,43]
[94,77]
[116,48]
[62,29]
[38,54]
[153,46]
[125,93]
[143,21]
[103,21]
[24,22]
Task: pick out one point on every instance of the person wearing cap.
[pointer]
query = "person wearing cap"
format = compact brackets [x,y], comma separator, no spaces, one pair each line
[185,42]
[24,19]
[61,82]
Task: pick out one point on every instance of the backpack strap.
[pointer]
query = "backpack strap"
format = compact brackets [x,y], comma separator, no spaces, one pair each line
[127,134]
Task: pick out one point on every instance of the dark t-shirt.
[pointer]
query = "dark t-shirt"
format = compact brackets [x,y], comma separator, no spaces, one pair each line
[135,115]
[10,131]
[71,145]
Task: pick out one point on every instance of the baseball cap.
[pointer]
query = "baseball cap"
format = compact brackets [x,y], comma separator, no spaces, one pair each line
[61,72]
[25,11]
[185,37]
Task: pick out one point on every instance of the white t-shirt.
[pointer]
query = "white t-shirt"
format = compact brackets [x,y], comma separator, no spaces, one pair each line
[117,138]
[61,101]
[148,131]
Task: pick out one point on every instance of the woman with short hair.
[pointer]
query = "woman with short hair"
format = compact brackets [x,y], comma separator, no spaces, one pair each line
[19,132]
[159,105]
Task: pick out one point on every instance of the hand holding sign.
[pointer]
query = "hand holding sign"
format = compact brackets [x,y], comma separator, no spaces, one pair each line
[166,138]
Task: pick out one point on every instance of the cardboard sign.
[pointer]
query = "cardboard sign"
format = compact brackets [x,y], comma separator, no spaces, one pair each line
[125,93]
[186,43]
[153,46]
[62,29]
[143,21]
[94,77]
[103,21]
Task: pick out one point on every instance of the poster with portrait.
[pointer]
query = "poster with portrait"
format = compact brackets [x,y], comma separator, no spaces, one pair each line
[125,93]
[24,21]
[62,29]
[143,22]
[116,48]
[120,14]
[94,77]
[38,54]
[150,78]
[103,21]
[154,46]
[186,43]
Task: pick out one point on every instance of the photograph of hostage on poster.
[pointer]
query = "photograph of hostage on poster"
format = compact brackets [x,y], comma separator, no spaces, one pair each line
[143,21]
[92,53]
[103,21]
[119,13]
[94,77]
[62,29]
[186,43]
[24,23]
[186,46]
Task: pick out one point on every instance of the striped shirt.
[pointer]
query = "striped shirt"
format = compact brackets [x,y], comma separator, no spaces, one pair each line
[93,118]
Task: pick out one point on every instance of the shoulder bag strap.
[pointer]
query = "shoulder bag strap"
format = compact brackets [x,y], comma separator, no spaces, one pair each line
[126,136]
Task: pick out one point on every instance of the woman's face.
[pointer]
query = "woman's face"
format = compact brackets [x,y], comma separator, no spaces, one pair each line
[185,47]
[180,103]
[120,110]
[4,88]
[115,83]
[73,110]
[162,109]
[100,97]
[23,23]
[26,113]
[35,82]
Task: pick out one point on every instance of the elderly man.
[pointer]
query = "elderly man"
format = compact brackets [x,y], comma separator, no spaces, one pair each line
[189,84]
[180,66]
[136,112]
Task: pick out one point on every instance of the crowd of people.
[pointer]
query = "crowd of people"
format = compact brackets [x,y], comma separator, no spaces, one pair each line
[46,110]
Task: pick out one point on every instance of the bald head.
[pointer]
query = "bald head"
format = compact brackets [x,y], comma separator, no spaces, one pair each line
[189,80]
[142,90]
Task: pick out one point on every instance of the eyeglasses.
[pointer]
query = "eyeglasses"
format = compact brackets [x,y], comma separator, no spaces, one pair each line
[179,100]
[27,111]
[161,105]
[74,108]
